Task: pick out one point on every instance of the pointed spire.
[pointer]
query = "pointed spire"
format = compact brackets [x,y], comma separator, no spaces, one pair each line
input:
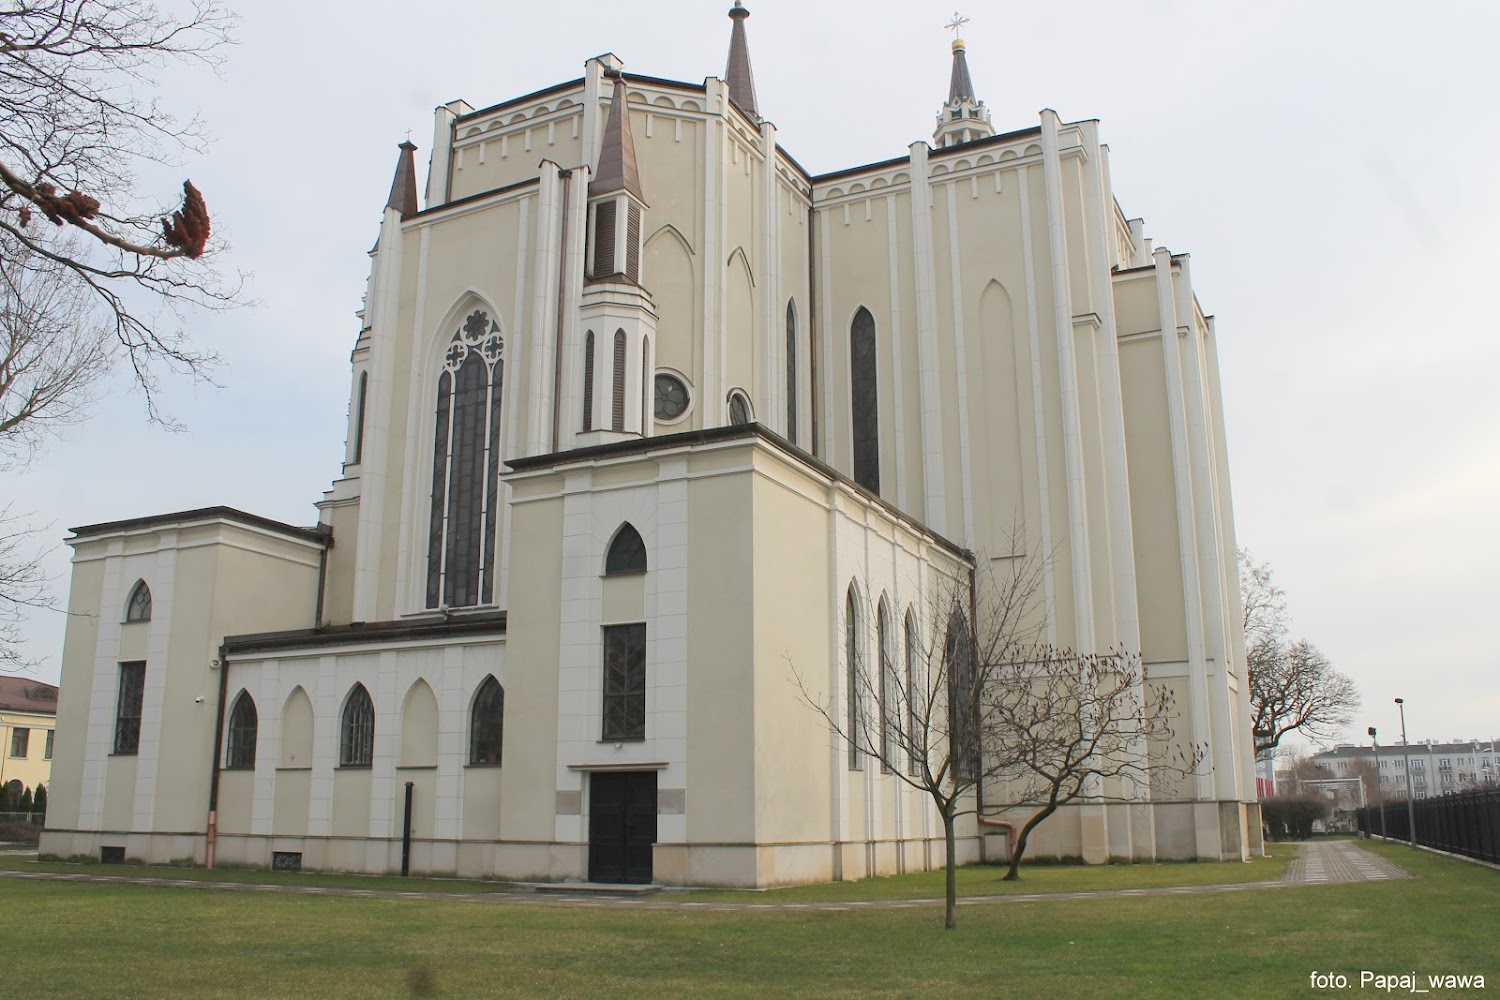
[961,88]
[617,171]
[964,117]
[737,75]
[404,185]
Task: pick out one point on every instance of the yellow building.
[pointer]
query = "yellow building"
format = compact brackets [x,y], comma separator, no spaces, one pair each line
[643,416]
[28,717]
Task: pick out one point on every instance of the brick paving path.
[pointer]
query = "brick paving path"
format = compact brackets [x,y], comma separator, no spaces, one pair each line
[1339,861]
[1320,862]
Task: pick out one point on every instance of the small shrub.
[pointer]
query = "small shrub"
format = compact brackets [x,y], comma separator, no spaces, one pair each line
[1291,817]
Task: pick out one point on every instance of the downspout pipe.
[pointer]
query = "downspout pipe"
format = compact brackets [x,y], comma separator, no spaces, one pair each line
[213,782]
[406,833]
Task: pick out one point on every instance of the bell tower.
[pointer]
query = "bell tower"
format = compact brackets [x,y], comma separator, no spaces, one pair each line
[616,313]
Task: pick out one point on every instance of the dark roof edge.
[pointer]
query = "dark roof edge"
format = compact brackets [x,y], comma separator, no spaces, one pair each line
[989,140]
[466,199]
[319,534]
[658,81]
[360,633]
[524,98]
[713,435]
[793,161]
[845,172]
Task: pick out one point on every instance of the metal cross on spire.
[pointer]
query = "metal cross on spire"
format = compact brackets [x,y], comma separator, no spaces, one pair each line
[958,22]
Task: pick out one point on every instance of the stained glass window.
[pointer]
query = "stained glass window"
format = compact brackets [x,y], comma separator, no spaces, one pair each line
[851,643]
[487,723]
[357,734]
[128,708]
[624,682]
[243,726]
[627,553]
[865,400]
[138,606]
[739,408]
[671,397]
[791,371]
[463,525]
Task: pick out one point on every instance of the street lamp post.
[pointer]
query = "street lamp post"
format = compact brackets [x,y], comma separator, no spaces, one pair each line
[1379,792]
[1411,809]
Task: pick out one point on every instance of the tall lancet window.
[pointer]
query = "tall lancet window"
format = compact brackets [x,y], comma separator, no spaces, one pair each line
[791,371]
[865,403]
[462,534]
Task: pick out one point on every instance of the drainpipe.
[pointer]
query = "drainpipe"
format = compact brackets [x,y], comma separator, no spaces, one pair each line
[327,531]
[213,782]
[406,834]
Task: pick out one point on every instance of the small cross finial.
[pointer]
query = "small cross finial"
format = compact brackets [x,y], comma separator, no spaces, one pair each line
[958,22]
[408,135]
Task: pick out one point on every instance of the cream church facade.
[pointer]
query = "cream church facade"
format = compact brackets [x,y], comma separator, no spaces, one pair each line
[641,415]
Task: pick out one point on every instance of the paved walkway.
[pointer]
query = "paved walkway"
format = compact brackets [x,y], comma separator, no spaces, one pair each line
[1339,861]
[1319,862]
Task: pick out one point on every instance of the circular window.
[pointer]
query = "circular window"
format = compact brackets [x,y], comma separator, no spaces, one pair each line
[671,397]
[739,409]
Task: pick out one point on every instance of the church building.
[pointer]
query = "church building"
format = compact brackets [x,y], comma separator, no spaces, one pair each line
[646,422]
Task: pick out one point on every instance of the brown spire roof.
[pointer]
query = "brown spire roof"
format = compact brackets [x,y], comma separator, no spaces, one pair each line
[741,81]
[617,170]
[404,185]
[961,88]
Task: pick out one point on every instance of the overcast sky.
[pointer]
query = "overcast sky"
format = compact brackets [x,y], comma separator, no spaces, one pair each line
[1329,166]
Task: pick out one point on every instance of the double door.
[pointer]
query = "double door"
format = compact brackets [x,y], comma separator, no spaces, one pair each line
[622,825]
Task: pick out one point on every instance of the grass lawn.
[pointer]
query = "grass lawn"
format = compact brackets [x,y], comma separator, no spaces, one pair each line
[258,876]
[985,880]
[106,940]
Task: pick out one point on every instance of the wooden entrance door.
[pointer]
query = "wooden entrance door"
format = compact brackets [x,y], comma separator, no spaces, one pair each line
[622,825]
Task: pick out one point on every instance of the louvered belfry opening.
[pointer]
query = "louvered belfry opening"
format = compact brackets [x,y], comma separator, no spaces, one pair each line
[633,242]
[604,238]
[588,381]
[617,399]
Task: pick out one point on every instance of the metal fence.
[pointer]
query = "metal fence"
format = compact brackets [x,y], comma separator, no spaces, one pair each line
[1467,823]
[34,818]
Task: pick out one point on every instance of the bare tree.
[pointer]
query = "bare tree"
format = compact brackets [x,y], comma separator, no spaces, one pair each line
[90,271]
[1293,686]
[54,350]
[914,689]
[1061,726]
[74,126]
[23,585]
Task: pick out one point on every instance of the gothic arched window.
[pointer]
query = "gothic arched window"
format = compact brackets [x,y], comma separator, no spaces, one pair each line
[462,534]
[138,605]
[360,398]
[487,723]
[243,725]
[357,733]
[617,396]
[963,699]
[791,371]
[739,409]
[915,697]
[864,400]
[588,381]
[627,553]
[855,717]
[890,698]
